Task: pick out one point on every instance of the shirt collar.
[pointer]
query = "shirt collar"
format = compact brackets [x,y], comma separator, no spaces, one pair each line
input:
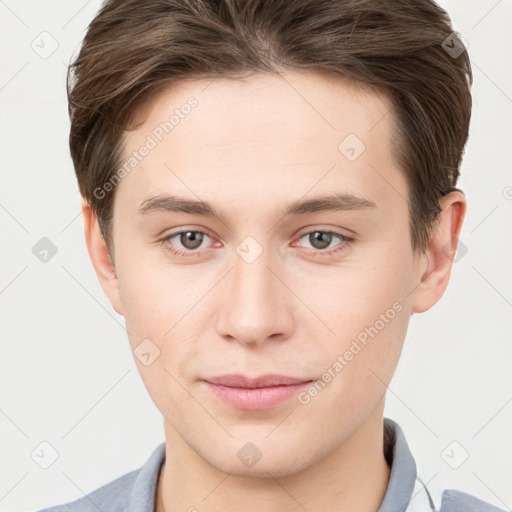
[403,470]
[143,493]
[398,494]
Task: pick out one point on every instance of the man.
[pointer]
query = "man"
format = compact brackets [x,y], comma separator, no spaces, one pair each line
[269,194]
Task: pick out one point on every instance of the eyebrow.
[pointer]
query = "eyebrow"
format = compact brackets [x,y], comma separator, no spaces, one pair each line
[331,203]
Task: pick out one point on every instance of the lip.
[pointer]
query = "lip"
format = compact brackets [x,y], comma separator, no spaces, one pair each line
[255,393]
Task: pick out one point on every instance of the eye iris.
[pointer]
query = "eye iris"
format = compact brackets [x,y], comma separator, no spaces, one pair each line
[324,239]
[191,239]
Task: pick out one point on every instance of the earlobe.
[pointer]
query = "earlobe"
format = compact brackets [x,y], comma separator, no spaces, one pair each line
[436,264]
[100,257]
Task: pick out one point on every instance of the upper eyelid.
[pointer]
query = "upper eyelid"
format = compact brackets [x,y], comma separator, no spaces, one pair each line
[176,233]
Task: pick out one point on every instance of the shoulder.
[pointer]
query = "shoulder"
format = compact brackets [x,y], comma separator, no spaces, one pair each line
[458,501]
[440,499]
[111,496]
[406,480]
[132,491]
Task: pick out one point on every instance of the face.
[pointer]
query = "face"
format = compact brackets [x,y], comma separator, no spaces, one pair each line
[269,279]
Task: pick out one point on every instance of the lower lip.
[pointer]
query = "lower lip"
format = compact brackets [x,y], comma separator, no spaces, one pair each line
[255,399]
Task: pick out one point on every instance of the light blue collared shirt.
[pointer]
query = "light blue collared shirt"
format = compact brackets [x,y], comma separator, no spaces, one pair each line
[136,491]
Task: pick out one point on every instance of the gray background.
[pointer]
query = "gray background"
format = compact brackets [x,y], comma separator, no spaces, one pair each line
[67,375]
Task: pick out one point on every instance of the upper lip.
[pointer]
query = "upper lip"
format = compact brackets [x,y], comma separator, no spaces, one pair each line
[261,381]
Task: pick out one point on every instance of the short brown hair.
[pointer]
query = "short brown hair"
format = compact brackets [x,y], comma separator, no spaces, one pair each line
[134,48]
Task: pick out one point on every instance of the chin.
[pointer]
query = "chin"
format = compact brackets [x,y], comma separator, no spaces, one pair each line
[268,469]
[263,459]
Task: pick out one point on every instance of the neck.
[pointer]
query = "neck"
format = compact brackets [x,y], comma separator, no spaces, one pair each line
[353,477]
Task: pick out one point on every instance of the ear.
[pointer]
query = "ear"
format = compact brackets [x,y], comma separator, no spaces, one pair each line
[436,264]
[100,257]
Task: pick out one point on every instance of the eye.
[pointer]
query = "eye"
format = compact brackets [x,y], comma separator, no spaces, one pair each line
[190,240]
[321,240]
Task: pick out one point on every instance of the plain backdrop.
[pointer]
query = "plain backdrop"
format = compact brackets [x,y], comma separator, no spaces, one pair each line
[68,377]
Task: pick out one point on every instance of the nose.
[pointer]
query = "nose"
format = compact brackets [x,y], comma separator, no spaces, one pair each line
[255,304]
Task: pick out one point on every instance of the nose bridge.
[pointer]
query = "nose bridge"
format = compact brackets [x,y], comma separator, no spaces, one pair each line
[254,306]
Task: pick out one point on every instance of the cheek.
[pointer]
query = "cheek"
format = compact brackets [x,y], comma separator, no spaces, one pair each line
[350,299]
[165,308]
[367,310]
[161,320]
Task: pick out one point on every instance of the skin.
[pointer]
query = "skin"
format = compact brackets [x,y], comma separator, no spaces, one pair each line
[250,148]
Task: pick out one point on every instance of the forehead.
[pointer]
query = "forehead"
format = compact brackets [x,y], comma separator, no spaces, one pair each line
[293,105]
[284,132]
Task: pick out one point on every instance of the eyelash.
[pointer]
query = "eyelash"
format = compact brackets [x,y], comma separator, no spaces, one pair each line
[345,240]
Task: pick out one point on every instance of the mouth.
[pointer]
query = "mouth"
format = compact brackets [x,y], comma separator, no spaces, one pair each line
[256,393]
